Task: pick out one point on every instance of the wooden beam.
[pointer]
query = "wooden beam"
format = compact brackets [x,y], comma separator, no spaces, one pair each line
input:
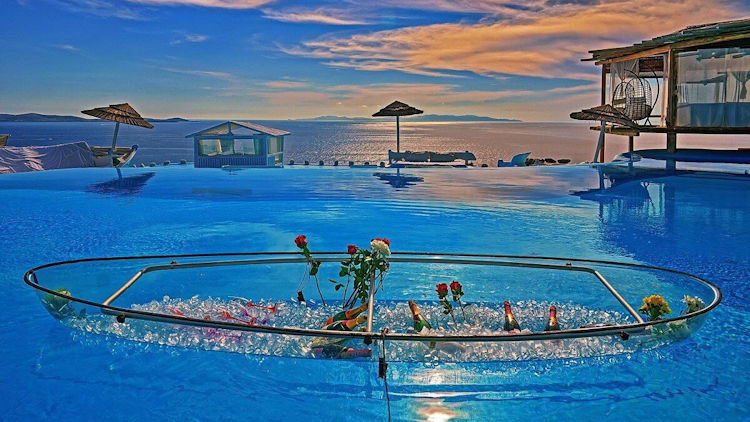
[626,131]
[633,56]
[676,45]
[604,85]
[618,130]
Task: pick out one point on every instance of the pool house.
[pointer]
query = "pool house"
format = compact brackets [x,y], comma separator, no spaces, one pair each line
[242,144]
[694,80]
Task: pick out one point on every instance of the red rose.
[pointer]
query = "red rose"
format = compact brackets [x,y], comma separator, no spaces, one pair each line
[351,249]
[442,290]
[455,286]
[301,241]
[386,241]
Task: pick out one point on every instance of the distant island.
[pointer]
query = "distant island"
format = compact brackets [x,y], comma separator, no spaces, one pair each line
[169,120]
[418,118]
[36,117]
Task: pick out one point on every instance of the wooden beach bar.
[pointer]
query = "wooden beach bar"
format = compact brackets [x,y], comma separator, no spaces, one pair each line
[691,81]
[238,144]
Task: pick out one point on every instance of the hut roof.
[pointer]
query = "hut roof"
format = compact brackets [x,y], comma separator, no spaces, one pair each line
[690,36]
[122,113]
[225,127]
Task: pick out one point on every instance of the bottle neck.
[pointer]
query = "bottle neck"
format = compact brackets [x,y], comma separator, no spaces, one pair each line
[508,311]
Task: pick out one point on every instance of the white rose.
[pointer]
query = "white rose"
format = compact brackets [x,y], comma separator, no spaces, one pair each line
[380,247]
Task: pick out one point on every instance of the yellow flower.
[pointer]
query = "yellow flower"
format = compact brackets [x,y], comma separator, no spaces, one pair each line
[655,307]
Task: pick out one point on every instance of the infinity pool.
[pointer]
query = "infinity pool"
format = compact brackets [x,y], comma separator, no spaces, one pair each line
[697,222]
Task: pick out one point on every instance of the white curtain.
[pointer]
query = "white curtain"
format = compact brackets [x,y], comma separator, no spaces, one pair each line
[620,72]
[712,86]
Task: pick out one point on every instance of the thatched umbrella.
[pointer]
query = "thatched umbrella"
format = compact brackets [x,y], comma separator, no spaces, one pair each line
[397,109]
[119,113]
[605,113]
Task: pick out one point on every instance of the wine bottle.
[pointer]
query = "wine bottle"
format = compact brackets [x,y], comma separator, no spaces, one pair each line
[420,322]
[510,320]
[347,314]
[346,325]
[552,324]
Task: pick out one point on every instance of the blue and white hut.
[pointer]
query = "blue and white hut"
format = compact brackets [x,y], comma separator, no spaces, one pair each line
[238,144]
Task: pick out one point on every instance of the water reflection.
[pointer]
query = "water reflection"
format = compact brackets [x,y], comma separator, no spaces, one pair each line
[398,180]
[122,186]
[435,410]
[691,220]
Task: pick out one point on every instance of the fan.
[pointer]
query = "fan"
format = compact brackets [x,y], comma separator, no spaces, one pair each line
[633,97]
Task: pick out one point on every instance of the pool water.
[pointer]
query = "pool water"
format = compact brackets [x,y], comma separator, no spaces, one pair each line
[698,222]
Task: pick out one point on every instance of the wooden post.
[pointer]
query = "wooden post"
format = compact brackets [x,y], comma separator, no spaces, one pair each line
[671,142]
[630,145]
[671,92]
[604,84]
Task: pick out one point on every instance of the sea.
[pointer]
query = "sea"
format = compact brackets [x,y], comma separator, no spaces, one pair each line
[366,141]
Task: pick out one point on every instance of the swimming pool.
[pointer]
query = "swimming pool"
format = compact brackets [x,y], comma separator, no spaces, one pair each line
[697,222]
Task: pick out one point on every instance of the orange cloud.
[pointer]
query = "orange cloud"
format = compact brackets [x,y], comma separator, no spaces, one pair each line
[312,16]
[547,43]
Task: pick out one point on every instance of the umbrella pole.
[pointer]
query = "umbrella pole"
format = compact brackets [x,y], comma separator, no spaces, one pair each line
[600,144]
[398,136]
[114,142]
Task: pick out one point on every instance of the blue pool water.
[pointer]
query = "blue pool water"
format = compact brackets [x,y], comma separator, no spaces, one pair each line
[697,222]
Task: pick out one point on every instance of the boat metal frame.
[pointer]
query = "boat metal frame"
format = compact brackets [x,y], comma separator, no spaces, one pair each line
[624,331]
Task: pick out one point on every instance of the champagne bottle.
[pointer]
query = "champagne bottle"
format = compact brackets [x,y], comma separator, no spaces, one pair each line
[420,322]
[346,325]
[552,324]
[347,314]
[510,320]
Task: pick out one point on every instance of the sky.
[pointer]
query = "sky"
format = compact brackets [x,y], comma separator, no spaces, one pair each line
[265,59]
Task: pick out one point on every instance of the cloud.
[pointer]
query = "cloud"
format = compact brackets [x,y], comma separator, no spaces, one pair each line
[320,15]
[103,8]
[202,73]
[528,39]
[67,47]
[224,4]
[286,84]
[353,99]
[188,37]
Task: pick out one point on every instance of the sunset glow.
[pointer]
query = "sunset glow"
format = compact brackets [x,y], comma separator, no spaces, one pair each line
[290,59]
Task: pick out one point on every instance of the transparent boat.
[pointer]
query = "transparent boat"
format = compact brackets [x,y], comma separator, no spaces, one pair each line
[246,303]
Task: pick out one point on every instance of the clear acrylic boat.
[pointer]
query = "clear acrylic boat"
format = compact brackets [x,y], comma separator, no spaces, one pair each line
[245,303]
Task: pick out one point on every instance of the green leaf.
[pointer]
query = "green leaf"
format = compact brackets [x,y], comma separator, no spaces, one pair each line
[338,286]
[343,272]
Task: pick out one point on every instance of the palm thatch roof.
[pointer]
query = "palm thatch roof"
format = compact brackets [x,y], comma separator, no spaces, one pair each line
[605,113]
[397,108]
[122,113]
